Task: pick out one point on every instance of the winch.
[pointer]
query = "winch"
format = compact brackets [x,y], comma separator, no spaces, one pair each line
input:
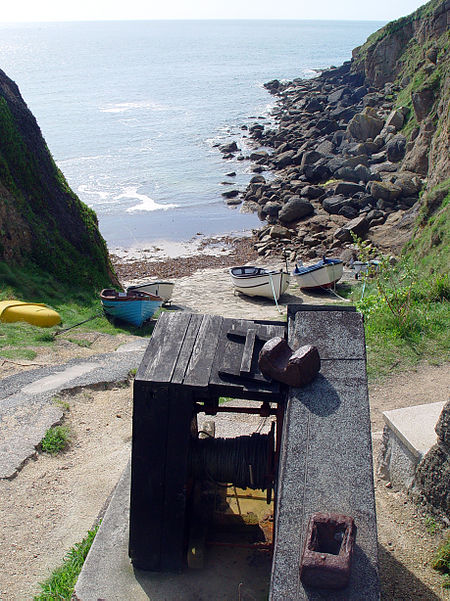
[310,455]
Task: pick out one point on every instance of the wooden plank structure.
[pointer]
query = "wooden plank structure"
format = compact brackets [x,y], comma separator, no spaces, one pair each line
[325,454]
[189,358]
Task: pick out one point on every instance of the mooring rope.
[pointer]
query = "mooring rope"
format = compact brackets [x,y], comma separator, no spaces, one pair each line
[241,461]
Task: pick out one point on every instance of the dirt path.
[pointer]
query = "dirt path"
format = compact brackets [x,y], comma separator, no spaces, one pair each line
[53,501]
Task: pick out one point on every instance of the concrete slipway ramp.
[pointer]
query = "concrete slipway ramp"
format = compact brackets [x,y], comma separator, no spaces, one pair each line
[27,406]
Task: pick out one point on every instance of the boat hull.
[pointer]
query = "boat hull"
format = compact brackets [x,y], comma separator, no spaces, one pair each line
[133,307]
[36,314]
[323,275]
[162,289]
[254,281]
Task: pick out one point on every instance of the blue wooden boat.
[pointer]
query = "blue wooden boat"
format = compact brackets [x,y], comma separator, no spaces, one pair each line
[133,306]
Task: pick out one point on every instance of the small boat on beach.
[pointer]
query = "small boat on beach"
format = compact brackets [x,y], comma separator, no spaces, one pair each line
[134,306]
[159,288]
[36,314]
[364,268]
[323,274]
[258,281]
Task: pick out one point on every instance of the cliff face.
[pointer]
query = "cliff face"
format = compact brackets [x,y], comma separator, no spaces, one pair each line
[361,149]
[412,56]
[42,221]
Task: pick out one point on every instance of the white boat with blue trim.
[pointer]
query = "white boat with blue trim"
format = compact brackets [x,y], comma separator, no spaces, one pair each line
[157,287]
[258,281]
[323,274]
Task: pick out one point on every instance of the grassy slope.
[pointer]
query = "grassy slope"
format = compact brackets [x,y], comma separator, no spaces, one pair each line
[65,241]
[407,308]
[417,327]
[18,340]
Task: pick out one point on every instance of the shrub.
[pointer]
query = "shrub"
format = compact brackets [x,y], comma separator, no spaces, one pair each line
[56,439]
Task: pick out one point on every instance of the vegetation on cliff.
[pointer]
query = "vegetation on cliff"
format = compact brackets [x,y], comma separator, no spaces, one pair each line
[43,224]
[412,56]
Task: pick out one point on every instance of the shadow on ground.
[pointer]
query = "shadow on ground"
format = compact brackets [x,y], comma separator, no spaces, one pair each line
[398,583]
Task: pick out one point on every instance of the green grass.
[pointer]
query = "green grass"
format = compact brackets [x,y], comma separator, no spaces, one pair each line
[56,440]
[19,340]
[441,562]
[431,525]
[406,307]
[60,585]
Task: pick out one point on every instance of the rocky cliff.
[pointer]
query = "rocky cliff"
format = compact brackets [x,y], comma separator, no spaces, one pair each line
[360,148]
[42,222]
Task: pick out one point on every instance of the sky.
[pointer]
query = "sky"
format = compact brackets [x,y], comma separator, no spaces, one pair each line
[94,10]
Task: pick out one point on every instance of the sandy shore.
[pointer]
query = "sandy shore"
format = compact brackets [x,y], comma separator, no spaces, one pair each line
[203,284]
[178,259]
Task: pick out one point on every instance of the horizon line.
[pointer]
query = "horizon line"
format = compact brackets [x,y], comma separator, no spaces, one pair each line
[170,19]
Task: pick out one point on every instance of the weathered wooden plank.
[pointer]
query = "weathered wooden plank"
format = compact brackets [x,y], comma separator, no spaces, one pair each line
[164,347]
[148,472]
[200,364]
[227,362]
[229,352]
[247,353]
[187,348]
[173,549]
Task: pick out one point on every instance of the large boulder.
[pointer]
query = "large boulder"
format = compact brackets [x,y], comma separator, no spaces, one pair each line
[363,173]
[313,191]
[271,208]
[395,119]
[313,105]
[365,125]
[284,159]
[296,208]
[396,148]
[422,103]
[416,158]
[346,173]
[259,155]
[310,157]
[258,179]
[333,204]
[230,147]
[410,185]
[348,188]
[384,190]
[319,172]
[278,231]
[358,226]
[230,193]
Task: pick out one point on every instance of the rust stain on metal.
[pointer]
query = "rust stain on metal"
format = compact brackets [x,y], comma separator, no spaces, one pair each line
[328,550]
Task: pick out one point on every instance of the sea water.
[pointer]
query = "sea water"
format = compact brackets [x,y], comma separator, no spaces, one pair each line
[133,111]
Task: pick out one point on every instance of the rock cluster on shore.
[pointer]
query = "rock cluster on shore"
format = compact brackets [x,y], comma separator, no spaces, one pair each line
[340,163]
[351,150]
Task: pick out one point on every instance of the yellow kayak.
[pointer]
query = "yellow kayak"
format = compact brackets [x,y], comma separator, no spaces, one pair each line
[37,314]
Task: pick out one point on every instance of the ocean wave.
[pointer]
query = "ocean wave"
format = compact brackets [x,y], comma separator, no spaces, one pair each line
[86,189]
[146,204]
[124,107]
[74,160]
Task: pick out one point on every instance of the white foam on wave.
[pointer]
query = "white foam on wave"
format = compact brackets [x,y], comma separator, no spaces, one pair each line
[86,189]
[123,107]
[146,204]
